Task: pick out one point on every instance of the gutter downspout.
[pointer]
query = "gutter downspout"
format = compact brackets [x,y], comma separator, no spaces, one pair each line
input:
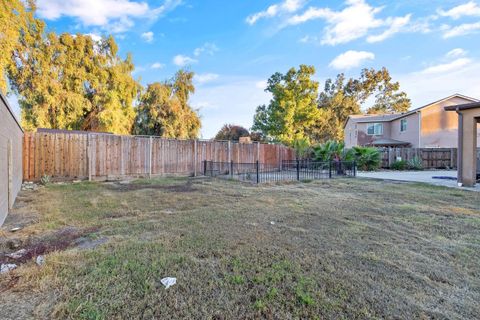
[460,149]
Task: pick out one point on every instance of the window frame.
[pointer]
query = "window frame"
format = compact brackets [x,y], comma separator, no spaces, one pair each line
[402,122]
[375,125]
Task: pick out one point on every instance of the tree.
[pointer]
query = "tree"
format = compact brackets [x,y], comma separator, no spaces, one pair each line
[164,110]
[73,82]
[232,132]
[293,109]
[342,97]
[16,19]
[65,81]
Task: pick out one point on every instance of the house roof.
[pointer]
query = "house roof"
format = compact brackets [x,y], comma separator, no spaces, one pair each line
[464,106]
[388,142]
[360,118]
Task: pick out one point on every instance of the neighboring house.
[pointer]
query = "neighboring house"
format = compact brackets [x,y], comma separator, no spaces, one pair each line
[429,126]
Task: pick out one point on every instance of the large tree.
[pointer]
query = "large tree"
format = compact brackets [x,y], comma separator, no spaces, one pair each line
[64,81]
[164,109]
[293,110]
[231,132]
[16,21]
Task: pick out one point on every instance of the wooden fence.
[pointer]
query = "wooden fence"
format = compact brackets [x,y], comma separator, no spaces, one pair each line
[431,157]
[106,156]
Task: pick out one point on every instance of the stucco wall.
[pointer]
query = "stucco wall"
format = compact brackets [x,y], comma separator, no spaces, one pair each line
[411,134]
[10,133]
[439,127]
[350,134]
[365,139]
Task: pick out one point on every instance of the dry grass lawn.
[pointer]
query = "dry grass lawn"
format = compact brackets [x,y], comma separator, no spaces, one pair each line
[347,248]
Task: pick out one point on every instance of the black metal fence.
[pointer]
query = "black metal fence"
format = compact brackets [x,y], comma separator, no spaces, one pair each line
[291,170]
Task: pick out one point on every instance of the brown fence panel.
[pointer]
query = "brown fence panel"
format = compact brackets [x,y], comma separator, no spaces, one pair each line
[105,156]
[432,158]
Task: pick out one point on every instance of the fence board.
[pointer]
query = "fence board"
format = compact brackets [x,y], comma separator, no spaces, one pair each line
[432,158]
[103,156]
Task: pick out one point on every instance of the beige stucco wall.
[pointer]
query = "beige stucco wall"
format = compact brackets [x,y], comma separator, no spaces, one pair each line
[411,134]
[471,118]
[364,138]
[350,137]
[9,131]
[440,127]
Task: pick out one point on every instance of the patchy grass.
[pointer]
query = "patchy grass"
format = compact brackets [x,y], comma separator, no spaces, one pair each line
[327,249]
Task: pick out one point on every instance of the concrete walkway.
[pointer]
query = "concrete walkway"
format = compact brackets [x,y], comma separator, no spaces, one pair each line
[419,176]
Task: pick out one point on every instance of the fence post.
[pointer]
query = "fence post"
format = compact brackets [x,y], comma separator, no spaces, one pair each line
[298,169]
[150,157]
[89,157]
[330,169]
[354,168]
[258,171]
[195,159]
[204,167]
[231,168]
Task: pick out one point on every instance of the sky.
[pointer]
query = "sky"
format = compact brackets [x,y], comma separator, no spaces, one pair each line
[431,47]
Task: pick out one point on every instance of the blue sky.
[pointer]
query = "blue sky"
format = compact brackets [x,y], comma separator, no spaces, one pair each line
[431,47]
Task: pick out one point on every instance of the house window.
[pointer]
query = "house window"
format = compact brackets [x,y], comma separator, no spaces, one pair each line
[375,129]
[403,125]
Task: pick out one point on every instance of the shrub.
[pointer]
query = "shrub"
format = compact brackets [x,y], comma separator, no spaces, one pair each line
[45,180]
[415,163]
[367,158]
[399,165]
[332,150]
[302,148]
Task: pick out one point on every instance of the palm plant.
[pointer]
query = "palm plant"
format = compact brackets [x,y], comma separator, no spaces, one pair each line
[332,151]
[367,158]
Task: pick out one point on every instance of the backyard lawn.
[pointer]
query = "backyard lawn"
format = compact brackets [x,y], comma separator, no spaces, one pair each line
[344,248]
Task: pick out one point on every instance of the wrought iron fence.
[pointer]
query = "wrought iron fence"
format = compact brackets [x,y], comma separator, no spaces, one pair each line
[290,170]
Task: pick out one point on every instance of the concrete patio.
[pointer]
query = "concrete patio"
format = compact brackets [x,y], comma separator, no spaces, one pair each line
[419,176]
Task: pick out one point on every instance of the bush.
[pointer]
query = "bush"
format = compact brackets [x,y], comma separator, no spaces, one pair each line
[399,165]
[415,163]
[302,148]
[45,180]
[367,158]
[332,150]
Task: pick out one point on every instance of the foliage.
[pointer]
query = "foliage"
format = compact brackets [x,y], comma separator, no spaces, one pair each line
[302,148]
[45,180]
[231,132]
[415,163]
[65,81]
[399,165]
[164,109]
[16,21]
[341,98]
[367,158]
[292,113]
[293,109]
[332,150]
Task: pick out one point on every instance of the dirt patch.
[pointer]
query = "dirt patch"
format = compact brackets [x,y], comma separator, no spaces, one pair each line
[125,187]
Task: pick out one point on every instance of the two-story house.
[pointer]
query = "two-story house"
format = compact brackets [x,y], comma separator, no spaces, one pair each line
[429,126]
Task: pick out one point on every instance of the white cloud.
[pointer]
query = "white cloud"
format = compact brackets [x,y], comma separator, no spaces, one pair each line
[208,48]
[353,22]
[234,99]
[95,37]
[425,89]
[470,8]
[461,30]
[455,53]
[182,60]
[396,25]
[206,77]
[447,67]
[287,6]
[261,84]
[147,36]
[351,59]
[157,65]
[113,15]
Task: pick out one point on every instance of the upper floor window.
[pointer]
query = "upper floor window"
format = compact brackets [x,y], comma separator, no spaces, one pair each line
[375,129]
[403,125]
